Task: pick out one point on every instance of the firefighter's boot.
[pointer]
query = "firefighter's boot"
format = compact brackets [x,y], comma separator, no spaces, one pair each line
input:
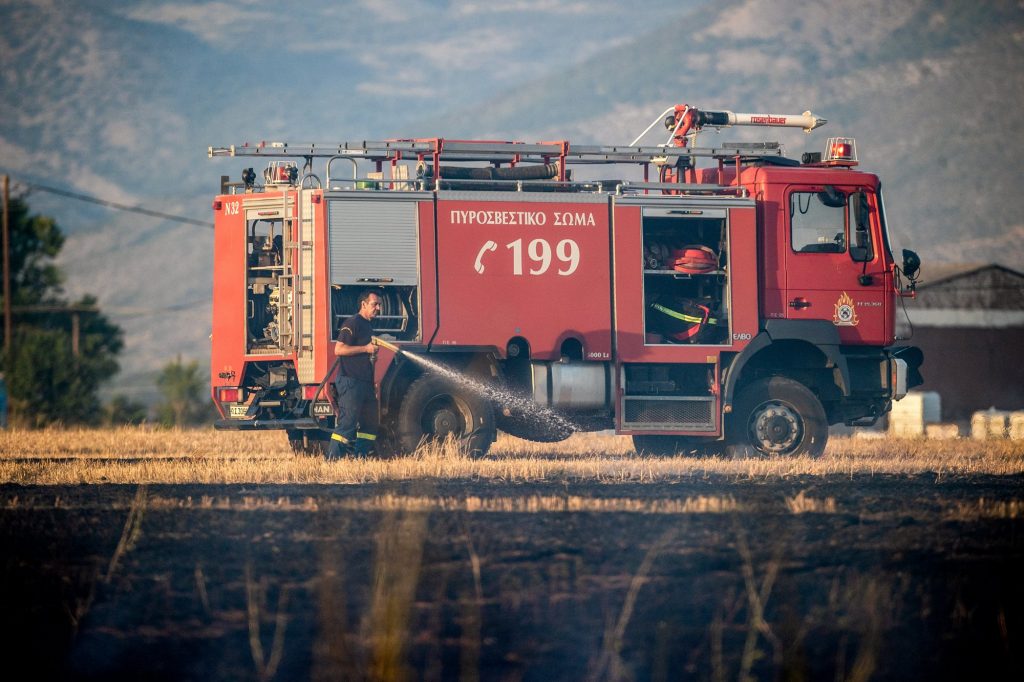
[339,448]
[365,444]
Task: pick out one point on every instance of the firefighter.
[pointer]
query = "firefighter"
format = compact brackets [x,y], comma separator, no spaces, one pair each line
[357,404]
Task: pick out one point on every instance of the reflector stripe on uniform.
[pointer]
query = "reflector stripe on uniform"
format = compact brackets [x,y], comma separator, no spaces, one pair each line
[339,437]
[682,316]
[367,436]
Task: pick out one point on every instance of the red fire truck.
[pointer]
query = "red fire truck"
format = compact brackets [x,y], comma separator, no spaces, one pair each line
[699,299]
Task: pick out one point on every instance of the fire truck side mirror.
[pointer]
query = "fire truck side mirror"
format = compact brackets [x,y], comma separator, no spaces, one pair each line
[861,210]
[911,263]
[832,197]
[860,254]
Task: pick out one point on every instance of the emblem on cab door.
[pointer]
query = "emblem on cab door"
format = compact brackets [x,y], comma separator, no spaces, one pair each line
[845,315]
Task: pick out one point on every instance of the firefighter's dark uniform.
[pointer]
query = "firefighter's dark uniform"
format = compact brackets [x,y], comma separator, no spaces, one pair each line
[357,404]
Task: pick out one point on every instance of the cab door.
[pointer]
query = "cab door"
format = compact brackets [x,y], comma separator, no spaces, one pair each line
[834,269]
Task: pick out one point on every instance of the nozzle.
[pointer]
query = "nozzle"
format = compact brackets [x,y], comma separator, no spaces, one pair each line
[815,121]
[377,341]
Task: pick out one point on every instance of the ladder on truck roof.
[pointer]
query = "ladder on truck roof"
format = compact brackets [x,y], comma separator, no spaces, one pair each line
[493,152]
[684,122]
[433,151]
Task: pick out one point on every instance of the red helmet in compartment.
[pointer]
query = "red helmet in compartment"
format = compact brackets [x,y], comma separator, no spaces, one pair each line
[694,259]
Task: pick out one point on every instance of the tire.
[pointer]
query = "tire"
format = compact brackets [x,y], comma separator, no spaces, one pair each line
[434,408]
[776,417]
[308,442]
[671,446]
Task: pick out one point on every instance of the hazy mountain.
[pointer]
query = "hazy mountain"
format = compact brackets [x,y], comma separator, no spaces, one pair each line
[932,90]
[120,99]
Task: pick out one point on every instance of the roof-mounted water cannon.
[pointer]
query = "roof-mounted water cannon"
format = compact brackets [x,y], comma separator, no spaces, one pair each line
[685,122]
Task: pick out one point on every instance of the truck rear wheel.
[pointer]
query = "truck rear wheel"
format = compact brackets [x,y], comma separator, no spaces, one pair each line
[434,408]
[309,442]
[777,417]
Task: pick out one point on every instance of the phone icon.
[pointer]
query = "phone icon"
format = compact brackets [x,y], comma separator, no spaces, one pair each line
[488,246]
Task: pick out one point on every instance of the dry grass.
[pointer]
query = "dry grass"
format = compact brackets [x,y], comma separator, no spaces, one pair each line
[802,504]
[987,509]
[391,503]
[152,456]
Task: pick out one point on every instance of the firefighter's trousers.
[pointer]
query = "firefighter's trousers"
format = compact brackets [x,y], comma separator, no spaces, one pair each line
[357,419]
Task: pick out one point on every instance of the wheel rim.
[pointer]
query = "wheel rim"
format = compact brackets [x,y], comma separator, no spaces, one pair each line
[443,416]
[775,428]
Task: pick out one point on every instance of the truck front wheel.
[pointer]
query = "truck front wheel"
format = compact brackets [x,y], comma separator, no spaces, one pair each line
[777,417]
[434,408]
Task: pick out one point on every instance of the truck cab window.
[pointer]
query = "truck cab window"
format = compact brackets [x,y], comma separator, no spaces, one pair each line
[818,222]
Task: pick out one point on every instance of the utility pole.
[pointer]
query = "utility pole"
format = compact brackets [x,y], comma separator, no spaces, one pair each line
[75,331]
[7,267]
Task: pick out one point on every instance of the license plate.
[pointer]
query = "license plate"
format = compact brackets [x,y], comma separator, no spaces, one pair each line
[237,410]
[322,409]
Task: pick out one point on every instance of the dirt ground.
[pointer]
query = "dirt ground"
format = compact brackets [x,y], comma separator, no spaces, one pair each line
[825,577]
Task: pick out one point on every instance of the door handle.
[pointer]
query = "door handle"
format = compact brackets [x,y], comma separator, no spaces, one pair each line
[799,302]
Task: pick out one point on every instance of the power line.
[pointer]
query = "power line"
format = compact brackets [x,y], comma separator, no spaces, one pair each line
[144,312]
[109,311]
[113,204]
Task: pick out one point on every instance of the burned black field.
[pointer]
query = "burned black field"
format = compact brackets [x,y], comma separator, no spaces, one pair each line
[708,577]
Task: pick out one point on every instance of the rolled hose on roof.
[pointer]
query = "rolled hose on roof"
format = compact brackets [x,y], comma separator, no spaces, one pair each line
[547,171]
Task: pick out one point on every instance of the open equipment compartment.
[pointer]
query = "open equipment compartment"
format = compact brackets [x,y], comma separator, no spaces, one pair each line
[685,276]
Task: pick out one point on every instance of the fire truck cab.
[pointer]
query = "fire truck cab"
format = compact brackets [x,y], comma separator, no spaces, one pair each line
[743,306]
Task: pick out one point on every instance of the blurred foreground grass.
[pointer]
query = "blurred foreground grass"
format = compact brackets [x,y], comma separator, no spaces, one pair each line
[182,456]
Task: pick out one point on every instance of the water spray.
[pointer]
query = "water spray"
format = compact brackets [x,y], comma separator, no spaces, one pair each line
[505,398]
